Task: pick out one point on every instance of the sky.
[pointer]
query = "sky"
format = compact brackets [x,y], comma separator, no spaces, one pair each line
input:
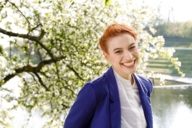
[176,10]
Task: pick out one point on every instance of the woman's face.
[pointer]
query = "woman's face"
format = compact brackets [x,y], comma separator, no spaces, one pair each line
[123,54]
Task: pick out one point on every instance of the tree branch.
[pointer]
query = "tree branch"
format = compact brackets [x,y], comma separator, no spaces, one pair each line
[46,49]
[30,68]
[41,81]
[29,37]
[65,106]
[3,4]
[25,36]
[76,73]
[67,87]
[38,25]
[14,5]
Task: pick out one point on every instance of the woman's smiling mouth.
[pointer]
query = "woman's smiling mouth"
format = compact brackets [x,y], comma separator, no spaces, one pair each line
[128,64]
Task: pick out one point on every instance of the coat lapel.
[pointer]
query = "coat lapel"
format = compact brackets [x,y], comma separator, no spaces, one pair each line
[144,100]
[114,99]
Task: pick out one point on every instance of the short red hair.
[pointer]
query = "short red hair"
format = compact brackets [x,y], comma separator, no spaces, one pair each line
[115,30]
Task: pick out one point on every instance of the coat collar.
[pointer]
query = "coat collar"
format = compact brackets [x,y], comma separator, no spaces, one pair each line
[145,101]
[112,85]
[115,100]
[113,88]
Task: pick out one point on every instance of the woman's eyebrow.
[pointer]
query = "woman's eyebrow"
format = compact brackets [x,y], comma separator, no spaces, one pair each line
[117,49]
[132,44]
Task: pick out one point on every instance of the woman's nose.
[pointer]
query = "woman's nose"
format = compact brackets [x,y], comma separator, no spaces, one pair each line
[128,55]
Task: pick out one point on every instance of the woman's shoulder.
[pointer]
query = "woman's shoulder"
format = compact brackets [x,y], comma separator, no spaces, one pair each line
[146,82]
[143,78]
[99,83]
[98,86]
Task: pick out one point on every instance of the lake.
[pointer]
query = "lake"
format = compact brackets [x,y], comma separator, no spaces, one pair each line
[172,106]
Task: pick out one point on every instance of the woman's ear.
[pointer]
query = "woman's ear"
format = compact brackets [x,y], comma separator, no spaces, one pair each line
[106,56]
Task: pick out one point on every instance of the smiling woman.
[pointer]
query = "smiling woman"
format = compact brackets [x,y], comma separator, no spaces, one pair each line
[54,42]
[119,47]
[119,98]
[123,55]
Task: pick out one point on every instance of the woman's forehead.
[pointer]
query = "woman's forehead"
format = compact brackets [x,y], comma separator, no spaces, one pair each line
[121,40]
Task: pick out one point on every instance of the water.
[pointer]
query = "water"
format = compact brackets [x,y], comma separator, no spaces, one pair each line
[172,107]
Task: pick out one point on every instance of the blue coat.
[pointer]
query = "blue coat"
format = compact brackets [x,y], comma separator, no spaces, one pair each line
[98,104]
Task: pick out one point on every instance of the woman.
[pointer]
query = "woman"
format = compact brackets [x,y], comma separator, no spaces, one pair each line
[120,98]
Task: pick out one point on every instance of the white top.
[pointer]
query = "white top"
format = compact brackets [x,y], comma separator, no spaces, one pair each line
[132,115]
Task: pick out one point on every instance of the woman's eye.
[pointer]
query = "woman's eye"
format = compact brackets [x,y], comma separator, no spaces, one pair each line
[132,47]
[118,52]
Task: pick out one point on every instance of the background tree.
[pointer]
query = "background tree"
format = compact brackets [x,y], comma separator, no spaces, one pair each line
[52,49]
[175,29]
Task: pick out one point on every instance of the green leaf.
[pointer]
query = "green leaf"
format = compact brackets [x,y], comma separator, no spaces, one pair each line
[107,2]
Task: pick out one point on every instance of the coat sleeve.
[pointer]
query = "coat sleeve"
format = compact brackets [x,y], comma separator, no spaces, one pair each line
[82,110]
